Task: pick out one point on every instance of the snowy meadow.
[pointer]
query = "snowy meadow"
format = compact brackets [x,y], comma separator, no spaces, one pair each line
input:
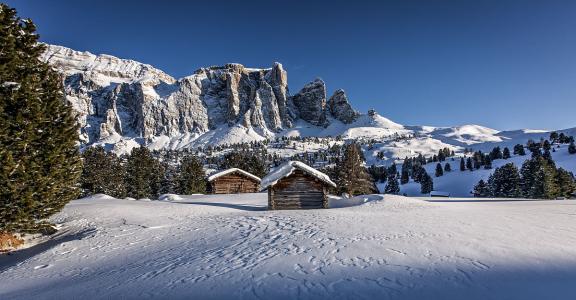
[230,246]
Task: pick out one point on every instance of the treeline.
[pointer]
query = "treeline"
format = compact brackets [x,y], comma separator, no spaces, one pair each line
[144,175]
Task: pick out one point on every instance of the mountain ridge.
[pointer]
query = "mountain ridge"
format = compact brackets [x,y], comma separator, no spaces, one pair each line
[122,103]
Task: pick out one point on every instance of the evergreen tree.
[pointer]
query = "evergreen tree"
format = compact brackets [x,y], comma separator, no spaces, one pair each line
[143,174]
[481,189]
[462,164]
[565,183]
[496,153]
[554,137]
[40,162]
[506,153]
[572,148]
[405,177]
[487,162]
[539,179]
[103,173]
[352,176]
[505,182]
[245,160]
[469,164]
[447,168]
[439,171]
[191,176]
[426,184]
[519,150]
[392,186]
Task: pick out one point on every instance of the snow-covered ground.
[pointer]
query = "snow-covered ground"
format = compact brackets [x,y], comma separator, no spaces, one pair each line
[223,247]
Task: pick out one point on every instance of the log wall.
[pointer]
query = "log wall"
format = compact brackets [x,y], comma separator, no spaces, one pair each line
[233,183]
[298,191]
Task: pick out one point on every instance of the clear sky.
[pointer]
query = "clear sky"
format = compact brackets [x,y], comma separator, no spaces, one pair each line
[502,64]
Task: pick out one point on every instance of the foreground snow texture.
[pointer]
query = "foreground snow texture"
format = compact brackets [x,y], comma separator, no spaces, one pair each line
[222,247]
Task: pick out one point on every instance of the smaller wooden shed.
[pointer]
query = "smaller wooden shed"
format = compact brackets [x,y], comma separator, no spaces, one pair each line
[233,181]
[295,185]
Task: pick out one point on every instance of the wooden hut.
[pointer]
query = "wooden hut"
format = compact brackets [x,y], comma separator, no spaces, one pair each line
[295,185]
[233,181]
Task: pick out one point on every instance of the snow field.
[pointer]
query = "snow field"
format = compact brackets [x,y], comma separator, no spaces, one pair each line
[215,247]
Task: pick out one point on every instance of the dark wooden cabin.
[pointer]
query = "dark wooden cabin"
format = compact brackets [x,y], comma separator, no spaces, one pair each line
[233,181]
[295,185]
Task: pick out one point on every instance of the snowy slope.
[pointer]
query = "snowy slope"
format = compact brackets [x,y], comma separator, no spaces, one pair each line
[460,183]
[222,247]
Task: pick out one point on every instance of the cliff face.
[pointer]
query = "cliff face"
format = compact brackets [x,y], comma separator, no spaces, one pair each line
[124,98]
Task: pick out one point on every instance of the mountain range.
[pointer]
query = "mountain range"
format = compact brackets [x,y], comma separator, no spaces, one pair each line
[122,103]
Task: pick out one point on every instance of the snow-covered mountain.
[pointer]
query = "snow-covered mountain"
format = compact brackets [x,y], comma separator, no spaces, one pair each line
[123,103]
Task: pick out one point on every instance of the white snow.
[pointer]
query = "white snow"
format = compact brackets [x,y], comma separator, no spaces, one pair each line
[228,246]
[232,170]
[286,170]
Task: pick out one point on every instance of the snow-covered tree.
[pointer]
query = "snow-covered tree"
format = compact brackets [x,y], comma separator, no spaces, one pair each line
[447,167]
[40,163]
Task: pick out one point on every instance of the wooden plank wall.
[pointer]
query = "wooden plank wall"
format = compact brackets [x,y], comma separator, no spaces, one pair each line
[233,184]
[297,191]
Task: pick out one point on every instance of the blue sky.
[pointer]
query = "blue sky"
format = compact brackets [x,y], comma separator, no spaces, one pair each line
[502,64]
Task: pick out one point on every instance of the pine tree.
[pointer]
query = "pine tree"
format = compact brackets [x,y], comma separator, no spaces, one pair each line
[519,150]
[353,178]
[487,162]
[439,171]
[426,184]
[565,183]
[102,173]
[405,177]
[143,174]
[506,153]
[447,168]
[554,137]
[462,164]
[539,179]
[572,148]
[245,160]
[40,162]
[496,153]
[469,164]
[481,189]
[392,186]
[191,176]
[505,182]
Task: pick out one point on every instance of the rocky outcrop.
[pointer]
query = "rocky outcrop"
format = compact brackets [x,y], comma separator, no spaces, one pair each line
[310,102]
[340,108]
[118,98]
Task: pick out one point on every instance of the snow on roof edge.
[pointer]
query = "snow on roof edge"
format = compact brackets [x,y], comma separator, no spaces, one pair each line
[286,170]
[232,170]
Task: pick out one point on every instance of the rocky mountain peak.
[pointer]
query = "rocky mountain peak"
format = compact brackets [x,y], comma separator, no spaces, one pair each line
[119,99]
[340,108]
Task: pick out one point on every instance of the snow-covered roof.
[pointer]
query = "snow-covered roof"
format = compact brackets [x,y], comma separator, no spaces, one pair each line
[287,169]
[233,170]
